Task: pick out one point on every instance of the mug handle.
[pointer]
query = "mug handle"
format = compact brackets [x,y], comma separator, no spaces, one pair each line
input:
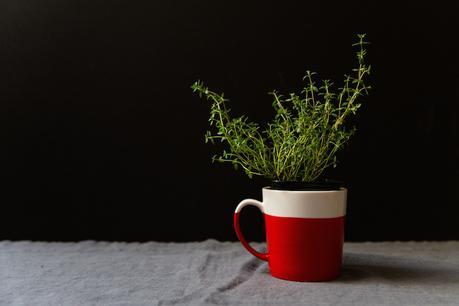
[240,236]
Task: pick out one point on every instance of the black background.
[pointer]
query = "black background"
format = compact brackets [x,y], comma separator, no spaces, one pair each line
[101,137]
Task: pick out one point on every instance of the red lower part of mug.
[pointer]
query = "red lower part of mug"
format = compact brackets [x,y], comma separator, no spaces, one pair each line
[305,249]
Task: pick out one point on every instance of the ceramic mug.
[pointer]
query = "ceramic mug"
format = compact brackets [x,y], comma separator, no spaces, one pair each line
[304,232]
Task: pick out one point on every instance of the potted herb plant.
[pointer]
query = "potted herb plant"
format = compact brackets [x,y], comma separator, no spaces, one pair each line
[304,213]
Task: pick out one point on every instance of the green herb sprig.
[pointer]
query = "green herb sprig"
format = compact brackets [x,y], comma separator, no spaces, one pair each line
[304,137]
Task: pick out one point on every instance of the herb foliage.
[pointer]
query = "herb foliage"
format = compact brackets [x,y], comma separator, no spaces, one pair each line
[304,137]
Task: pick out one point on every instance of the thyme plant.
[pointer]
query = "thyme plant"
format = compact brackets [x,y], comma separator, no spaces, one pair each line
[305,135]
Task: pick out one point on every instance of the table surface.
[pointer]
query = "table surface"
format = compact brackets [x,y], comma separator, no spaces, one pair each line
[221,273]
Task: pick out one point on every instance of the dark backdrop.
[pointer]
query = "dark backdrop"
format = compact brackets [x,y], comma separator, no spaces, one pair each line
[101,137]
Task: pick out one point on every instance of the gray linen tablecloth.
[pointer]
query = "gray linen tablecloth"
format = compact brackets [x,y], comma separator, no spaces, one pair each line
[221,273]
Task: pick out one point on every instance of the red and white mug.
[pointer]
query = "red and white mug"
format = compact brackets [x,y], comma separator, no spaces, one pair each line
[304,232]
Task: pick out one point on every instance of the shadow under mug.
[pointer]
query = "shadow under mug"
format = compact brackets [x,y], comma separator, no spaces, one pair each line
[304,233]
